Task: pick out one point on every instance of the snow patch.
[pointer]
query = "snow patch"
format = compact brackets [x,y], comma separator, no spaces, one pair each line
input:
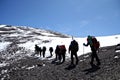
[116,57]
[117,51]
[3,45]
[31,67]
[2,25]
[104,41]
[3,64]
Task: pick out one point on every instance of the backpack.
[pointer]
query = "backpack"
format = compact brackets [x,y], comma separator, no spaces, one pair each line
[74,46]
[62,48]
[96,43]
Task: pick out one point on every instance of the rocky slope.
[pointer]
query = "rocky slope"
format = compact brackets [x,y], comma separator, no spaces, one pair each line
[32,68]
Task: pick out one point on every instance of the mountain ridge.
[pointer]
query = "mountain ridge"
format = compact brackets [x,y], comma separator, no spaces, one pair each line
[25,28]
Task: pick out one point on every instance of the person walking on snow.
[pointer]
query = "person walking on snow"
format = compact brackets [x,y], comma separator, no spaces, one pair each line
[94,45]
[51,50]
[73,49]
[44,50]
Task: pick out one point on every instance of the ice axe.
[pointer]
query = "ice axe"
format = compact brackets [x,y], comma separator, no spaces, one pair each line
[83,50]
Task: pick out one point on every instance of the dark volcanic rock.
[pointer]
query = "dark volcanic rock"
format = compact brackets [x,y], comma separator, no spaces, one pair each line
[31,68]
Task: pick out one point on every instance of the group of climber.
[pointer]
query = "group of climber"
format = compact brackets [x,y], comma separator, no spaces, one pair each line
[60,51]
[41,51]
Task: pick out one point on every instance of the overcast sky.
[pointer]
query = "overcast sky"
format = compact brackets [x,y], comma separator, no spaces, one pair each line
[74,17]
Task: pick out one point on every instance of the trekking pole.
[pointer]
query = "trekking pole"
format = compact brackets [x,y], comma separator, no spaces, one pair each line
[83,51]
[83,55]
